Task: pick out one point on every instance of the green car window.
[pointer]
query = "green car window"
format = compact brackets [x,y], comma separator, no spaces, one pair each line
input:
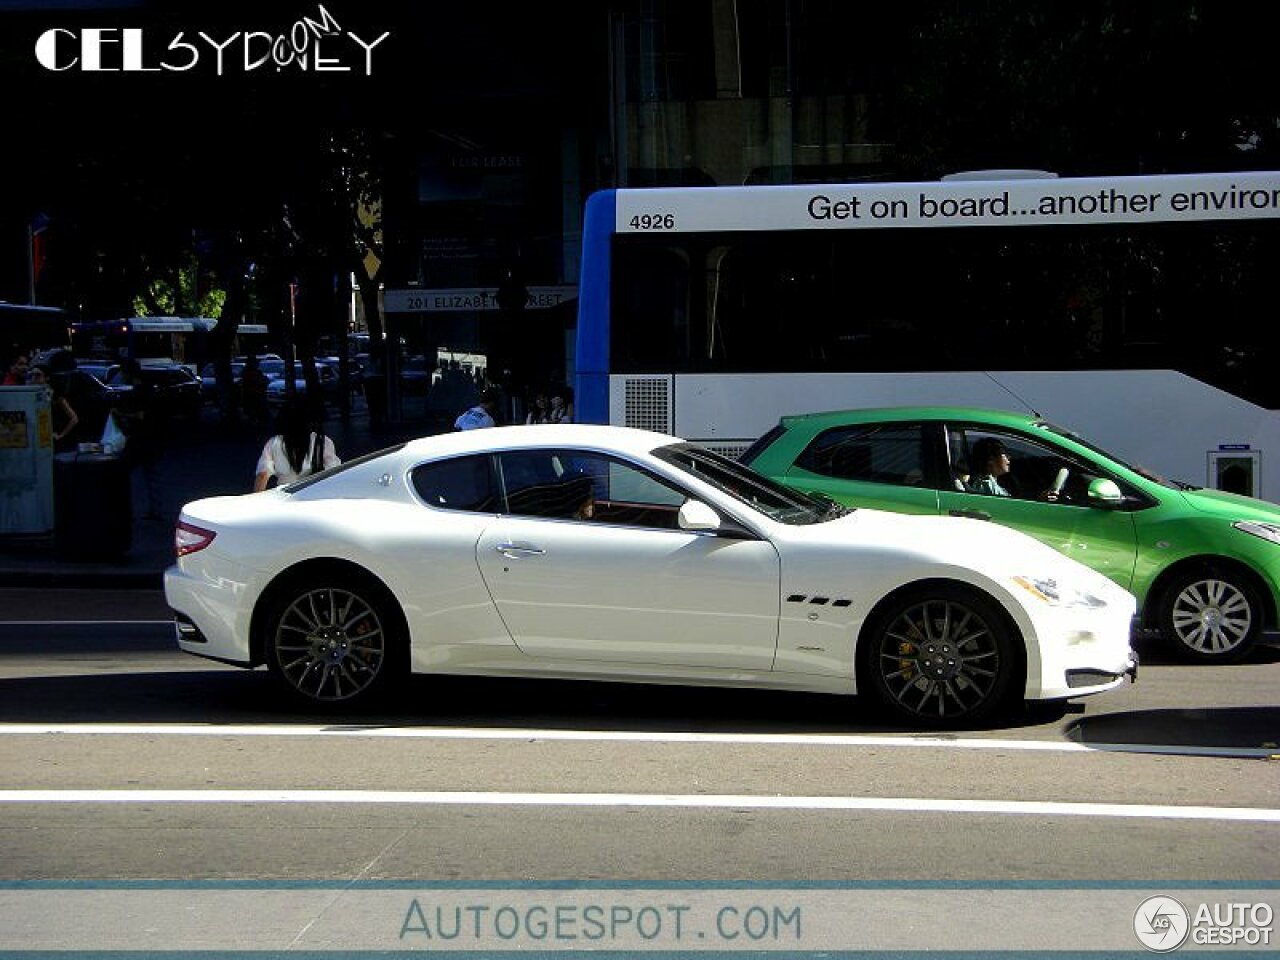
[875,453]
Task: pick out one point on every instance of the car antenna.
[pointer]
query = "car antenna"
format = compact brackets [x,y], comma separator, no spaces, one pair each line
[1036,413]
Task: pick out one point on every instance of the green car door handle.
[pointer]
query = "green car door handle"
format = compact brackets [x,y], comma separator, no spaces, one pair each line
[972,514]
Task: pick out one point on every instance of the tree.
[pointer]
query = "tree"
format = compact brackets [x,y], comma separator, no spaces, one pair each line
[1098,86]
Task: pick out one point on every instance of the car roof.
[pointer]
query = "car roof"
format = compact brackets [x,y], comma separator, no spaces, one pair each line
[626,440]
[1007,418]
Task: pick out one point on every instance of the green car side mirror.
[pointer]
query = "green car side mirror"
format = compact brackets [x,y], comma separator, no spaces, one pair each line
[1105,494]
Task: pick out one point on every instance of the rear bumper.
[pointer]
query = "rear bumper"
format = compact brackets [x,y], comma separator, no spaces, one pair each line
[210,619]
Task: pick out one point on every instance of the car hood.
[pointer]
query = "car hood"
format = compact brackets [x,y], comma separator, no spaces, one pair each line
[996,550]
[1231,506]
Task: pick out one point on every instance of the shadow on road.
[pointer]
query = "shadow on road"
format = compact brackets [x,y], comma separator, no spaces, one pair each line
[233,696]
[1227,728]
[1155,651]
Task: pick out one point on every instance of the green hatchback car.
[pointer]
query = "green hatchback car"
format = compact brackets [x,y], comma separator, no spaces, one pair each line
[1204,564]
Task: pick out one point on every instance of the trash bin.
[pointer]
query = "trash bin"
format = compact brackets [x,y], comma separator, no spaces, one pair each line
[92,502]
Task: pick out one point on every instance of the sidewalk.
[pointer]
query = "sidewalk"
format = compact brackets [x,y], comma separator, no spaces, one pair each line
[205,459]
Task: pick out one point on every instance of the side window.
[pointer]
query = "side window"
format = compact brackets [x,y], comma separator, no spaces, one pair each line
[1031,471]
[535,484]
[465,483]
[578,485]
[875,453]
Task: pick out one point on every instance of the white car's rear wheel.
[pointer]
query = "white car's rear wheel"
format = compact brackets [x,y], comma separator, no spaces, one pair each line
[331,644]
[941,656]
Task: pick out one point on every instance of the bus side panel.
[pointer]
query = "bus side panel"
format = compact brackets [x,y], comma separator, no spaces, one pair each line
[1120,410]
[591,392]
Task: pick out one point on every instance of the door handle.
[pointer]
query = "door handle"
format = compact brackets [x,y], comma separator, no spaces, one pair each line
[518,551]
[971,514]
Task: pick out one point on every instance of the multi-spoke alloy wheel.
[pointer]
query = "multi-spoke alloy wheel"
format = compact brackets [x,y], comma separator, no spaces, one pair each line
[941,659]
[1212,616]
[329,644]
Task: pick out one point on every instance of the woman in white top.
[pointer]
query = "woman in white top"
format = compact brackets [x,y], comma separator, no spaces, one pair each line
[294,451]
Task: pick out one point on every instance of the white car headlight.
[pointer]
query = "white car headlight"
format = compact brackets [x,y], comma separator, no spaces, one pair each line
[1258,528]
[1055,594]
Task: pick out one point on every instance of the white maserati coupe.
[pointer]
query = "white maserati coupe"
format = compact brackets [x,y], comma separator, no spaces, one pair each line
[607,553]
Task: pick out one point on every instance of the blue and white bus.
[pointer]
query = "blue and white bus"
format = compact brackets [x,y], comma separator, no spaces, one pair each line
[154,340]
[1140,311]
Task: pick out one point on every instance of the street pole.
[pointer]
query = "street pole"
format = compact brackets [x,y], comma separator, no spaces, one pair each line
[31,265]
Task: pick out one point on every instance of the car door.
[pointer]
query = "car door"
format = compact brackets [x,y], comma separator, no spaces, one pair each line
[882,465]
[588,563]
[1104,539]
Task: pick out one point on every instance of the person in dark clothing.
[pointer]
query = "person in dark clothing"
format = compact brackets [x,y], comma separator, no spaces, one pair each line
[142,419]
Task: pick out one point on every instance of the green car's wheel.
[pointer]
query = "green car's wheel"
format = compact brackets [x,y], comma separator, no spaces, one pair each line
[1211,615]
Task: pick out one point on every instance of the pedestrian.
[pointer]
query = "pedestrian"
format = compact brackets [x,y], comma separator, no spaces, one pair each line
[298,449]
[16,369]
[141,418]
[538,411]
[479,416]
[64,415]
[253,390]
[561,410]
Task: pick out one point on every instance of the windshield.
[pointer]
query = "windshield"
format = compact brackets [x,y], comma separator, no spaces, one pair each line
[1140,471]
[748,487]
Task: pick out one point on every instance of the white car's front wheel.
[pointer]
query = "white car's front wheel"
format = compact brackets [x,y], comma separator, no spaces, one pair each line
[331,643]
[940,656]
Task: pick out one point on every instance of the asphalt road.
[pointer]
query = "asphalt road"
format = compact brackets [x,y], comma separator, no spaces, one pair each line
[122,759]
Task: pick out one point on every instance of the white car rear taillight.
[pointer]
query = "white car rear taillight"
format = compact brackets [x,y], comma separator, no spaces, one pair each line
[188,538]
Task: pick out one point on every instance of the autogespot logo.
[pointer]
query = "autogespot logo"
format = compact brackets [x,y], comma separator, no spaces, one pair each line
[315,44]
[1161,924]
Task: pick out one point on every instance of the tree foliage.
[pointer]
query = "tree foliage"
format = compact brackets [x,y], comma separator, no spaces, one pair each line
[1095,86]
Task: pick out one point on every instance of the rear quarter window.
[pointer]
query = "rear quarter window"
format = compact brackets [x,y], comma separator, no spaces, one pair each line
[463,483]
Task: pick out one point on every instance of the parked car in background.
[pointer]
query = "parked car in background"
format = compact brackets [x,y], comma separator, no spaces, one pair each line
[180,392]
[1204,564]
[326,379]
[415,376]
[355,373]
[609,553]
[209,379]
[103,370]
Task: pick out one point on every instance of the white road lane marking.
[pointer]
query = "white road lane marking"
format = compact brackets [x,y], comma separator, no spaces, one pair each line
[86,623]
[702,801]
[625,736]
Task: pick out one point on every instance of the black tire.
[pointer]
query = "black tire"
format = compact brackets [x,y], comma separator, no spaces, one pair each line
[335,641]
[1210,615]
[941,656]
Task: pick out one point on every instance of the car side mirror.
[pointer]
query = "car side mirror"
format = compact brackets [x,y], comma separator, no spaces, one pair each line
[1105,494]
[696,515]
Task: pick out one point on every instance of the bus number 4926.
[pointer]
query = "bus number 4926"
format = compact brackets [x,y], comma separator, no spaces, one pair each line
[653,221]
